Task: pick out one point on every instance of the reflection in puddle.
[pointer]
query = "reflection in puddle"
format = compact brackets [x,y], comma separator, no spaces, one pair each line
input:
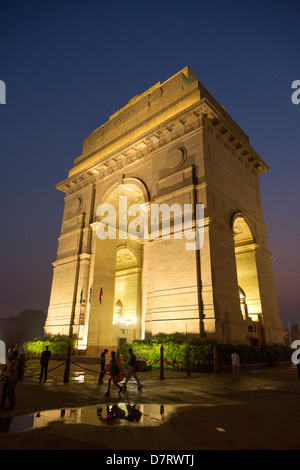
[120,414]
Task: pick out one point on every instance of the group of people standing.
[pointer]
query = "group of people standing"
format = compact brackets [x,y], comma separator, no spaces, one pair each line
[13,372]
[10,376]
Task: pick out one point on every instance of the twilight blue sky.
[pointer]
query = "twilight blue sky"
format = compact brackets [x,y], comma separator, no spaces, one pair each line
[68,65]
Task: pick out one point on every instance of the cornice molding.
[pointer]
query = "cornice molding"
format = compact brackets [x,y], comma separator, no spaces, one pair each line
[202,116]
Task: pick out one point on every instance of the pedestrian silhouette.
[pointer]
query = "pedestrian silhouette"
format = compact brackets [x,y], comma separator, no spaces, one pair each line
[115,374]
[102,365]
[133,366]
[46,355]
[235,361]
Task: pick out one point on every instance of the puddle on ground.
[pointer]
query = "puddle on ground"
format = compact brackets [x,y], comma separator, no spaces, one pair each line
[120,414]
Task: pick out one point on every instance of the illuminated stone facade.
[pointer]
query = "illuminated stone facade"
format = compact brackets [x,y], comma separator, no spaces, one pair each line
[173,144]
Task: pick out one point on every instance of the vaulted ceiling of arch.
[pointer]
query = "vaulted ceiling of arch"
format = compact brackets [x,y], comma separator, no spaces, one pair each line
[242,232]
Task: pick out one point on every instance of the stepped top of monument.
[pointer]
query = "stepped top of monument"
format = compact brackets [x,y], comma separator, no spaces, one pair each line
[147,112]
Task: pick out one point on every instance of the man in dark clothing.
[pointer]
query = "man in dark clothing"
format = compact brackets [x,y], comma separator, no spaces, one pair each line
[46,354]
[102,365]
[132,371]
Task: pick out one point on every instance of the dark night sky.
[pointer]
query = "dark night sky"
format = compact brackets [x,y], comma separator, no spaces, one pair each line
[68,65]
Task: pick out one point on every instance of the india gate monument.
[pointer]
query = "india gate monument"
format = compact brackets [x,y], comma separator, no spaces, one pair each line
[163,229]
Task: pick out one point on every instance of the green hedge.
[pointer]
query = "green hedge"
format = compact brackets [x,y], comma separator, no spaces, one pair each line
[199,353]
[267,353]
[58,345]
[178,351]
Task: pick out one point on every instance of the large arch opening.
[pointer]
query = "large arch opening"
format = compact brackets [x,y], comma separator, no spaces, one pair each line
[246,267]
[127,311]
[120,223]
[122,213]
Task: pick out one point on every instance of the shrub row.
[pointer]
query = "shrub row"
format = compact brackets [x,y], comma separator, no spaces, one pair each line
[178,351]
[58,345]
[199,353]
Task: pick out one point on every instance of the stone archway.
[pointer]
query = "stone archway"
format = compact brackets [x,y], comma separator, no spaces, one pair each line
[127,314]
[118,261]
[245,256]
[189,152]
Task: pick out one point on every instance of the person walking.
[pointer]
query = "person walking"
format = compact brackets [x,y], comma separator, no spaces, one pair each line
[114,372]
[11,379]
[235,361]
[132,362]
[46,355]
[102,365]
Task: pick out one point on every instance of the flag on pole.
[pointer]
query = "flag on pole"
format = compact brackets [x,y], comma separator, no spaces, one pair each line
[81,296]
[101,293]
[90,299]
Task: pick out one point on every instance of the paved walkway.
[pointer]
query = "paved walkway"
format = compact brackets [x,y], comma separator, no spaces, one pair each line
[204,411]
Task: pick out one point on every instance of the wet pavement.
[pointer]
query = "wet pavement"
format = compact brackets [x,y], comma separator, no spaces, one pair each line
[204,411]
